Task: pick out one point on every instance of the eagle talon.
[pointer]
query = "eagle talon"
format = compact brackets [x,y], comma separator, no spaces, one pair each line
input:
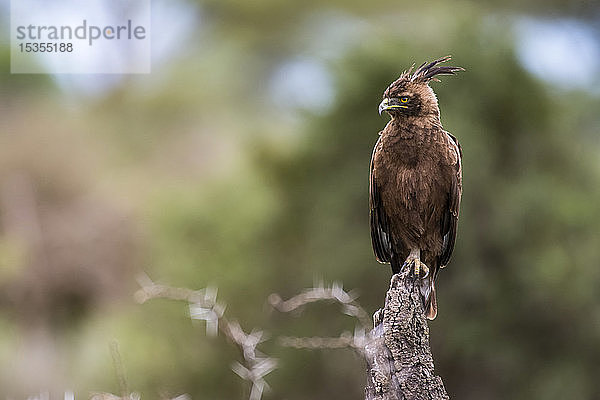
[417,266]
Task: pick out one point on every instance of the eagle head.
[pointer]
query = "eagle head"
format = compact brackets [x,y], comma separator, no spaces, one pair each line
[410,94]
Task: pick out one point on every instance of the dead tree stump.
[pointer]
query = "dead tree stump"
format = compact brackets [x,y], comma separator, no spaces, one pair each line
[399,361]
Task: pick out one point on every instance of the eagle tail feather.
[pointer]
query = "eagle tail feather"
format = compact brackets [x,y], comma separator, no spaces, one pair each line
[429,297]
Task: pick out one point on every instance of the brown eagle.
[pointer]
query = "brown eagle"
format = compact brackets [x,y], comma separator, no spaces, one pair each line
[415,181]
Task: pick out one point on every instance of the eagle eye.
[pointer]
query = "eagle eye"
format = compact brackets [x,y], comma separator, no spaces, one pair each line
[404,99]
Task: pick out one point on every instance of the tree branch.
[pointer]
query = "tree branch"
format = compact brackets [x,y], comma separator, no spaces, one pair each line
[400,364]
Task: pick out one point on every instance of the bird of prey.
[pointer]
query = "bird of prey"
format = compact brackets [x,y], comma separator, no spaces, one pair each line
[415,181]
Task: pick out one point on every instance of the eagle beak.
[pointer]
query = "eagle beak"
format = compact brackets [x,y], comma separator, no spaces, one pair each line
[383,105]
[390,103]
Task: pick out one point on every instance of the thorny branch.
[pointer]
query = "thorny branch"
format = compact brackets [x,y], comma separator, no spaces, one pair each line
[400,365]
[335,293]
[203,305]
[132,396]
[321,293]
[356,341]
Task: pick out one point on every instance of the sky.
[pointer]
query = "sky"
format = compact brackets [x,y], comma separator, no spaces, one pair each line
[563,52]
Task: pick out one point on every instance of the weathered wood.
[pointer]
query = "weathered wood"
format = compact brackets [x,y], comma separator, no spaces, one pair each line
[400,364]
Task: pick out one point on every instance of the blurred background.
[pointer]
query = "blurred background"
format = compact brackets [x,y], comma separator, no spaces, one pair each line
[242,162]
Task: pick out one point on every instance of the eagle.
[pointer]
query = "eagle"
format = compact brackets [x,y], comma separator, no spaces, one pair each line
[415,181]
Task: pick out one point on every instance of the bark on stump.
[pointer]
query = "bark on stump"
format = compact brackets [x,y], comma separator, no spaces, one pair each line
[399,361]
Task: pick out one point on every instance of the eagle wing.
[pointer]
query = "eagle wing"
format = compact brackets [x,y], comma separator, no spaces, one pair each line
[450,220]
[378,219]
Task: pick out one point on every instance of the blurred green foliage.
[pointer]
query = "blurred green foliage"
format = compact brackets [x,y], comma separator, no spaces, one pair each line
[209,181]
